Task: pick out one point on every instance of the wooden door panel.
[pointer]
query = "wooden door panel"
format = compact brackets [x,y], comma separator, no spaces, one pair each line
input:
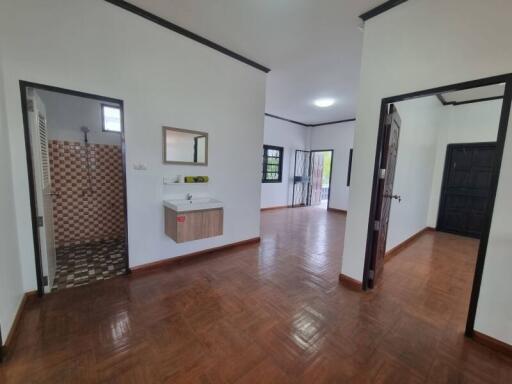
[385,192]
[480,179]
[475,222]
[484,157]
[466,187]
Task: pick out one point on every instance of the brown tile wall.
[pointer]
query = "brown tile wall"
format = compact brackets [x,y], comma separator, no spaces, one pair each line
[81,212]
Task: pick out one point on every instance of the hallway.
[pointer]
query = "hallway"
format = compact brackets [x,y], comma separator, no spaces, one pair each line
[267,313]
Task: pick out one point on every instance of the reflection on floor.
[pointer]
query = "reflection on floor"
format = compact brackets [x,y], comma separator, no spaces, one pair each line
[81,264]
[265,313]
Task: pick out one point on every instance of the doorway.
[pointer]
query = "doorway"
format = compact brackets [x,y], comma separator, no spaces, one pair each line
[485,171]
[77,179]
[312,178]
[321,175]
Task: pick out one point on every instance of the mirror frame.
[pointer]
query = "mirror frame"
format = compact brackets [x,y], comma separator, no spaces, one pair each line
[164,132]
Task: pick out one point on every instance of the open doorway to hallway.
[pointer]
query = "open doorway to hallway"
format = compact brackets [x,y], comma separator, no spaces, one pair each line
[312,178]
[321,175]
[77,185]
[436,175]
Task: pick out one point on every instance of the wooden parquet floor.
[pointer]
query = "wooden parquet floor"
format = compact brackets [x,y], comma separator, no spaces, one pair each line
[265,313]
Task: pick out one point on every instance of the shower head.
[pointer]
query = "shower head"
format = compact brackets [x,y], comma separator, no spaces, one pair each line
[85,130]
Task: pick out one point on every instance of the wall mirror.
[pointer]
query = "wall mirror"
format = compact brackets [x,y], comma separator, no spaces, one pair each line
[182,146]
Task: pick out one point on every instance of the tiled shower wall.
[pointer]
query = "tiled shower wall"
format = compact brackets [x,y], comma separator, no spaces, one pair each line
[86,212]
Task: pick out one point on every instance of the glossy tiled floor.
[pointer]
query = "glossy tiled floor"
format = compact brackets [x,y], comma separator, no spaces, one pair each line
[268,313]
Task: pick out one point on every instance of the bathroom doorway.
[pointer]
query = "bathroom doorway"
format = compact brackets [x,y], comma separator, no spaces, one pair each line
[76,166]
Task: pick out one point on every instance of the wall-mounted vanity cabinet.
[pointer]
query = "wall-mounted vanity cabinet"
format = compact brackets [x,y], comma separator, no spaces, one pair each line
[187,220]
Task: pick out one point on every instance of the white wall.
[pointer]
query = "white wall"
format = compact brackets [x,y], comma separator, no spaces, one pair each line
[164,79]
[340,138]
[66,114]
[11,287]
[468,123]
[414,167]
[424,44]
[291,137]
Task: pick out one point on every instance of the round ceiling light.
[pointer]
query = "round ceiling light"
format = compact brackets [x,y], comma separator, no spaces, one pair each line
[324,103]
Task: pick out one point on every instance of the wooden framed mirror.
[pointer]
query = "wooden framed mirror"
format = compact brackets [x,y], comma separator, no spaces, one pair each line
[183,146]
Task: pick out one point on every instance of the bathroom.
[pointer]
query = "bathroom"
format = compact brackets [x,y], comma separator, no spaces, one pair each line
[79,182]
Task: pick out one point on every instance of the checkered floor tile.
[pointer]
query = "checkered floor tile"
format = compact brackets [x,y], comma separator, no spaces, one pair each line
[85,263]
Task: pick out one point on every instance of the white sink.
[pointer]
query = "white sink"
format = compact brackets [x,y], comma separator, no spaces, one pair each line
[183,205]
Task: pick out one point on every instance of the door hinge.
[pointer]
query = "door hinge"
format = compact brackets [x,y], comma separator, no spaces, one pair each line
[382,173]
[376,225]
[45,281]
[371,275]
[40,222]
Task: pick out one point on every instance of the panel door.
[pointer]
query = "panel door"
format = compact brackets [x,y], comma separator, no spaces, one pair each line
[385,192]
[466,188]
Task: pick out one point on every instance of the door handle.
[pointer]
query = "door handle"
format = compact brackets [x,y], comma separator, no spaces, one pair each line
[396,197]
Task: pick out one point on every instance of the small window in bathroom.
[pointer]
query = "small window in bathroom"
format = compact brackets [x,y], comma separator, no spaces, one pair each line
[111,118]
[272,164]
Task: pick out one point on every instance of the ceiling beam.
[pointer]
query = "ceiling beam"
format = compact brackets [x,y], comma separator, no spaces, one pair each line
[309,125]
[185,32]
[381,9]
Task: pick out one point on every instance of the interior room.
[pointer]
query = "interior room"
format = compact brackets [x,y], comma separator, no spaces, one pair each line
[79,187]
[195,191]
[446,149]
[298,142]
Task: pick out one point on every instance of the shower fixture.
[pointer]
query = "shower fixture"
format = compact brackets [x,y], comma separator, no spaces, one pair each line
[85,131]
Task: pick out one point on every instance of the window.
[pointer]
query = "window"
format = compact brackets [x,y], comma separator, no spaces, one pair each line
[111,118]
[272,164]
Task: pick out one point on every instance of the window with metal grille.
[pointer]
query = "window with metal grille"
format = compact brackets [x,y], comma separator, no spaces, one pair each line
[272,164]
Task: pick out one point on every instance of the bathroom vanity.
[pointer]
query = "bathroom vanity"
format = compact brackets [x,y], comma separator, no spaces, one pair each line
[193,219]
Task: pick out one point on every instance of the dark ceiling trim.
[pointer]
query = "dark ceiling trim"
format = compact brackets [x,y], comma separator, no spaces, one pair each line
[185,32]
[442,99]
[332,122]
[381,9]
[309,125]
[455,103]
[285,119]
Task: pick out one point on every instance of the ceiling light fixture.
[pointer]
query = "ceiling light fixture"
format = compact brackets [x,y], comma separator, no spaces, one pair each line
[324,103]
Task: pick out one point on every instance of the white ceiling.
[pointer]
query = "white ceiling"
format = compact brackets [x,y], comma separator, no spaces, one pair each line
[313,47]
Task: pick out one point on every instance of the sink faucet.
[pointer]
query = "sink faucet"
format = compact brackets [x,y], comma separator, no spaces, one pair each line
[189,196]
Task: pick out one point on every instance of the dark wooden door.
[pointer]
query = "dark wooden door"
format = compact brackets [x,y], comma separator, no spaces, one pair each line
[466,188]
[385,191]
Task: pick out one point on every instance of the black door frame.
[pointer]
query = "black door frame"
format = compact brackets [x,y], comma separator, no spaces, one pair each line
[442,198]
[31,181]
[500,144]
[330,174]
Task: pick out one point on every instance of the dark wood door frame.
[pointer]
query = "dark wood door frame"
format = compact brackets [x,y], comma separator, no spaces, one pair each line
[446,171]
[330,173]
[500,145]
[31,181]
